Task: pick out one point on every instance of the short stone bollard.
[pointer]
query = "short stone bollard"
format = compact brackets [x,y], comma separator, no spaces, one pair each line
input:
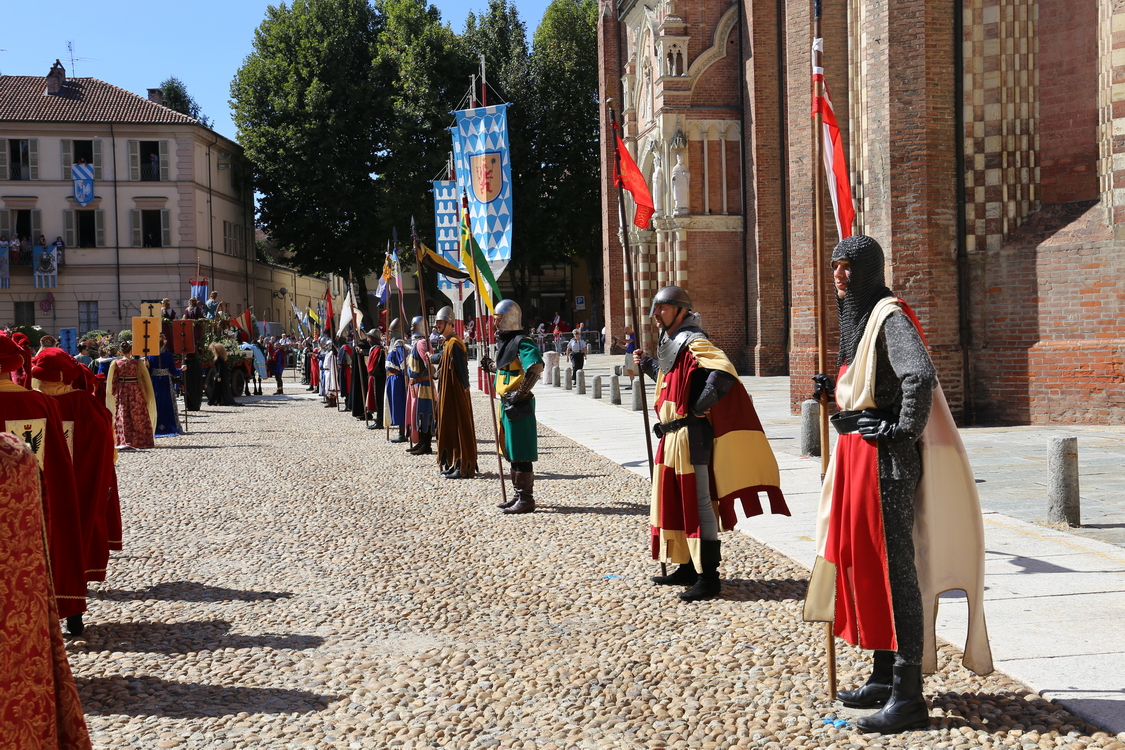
[638,393]
[1062,482]
[597,386]
[555,377]
[568,383]
[581,382]
[615,389]
[810,427]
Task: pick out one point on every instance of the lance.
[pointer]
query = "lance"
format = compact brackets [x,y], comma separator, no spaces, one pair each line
[484,342]
[425,317]
[402,325]
[819,276]
[624,229]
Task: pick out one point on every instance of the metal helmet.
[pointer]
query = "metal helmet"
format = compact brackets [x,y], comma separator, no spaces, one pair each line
[671,295]
[446,314]
[509,316]
[395,327]
[418,325]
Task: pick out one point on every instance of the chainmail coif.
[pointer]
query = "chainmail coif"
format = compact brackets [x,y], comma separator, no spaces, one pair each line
[866,287]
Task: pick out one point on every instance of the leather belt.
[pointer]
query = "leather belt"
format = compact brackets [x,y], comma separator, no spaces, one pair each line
[847,422]
[126,380]
[161,373]
[660,429]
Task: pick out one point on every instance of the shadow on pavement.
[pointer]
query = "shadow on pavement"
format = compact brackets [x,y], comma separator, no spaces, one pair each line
[184,638]
[779,590]
[151,696]
[1001,713]
[637,510]
[190,591]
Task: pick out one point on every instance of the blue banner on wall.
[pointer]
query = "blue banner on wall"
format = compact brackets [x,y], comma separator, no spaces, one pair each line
[484,173]
[447,230]
[45,266]
[83,175]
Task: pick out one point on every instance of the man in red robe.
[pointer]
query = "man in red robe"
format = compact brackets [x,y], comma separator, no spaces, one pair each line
[35,419]
[712,449]
[89,428]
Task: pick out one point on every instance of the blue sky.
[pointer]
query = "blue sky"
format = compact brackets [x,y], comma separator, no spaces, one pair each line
[137,44]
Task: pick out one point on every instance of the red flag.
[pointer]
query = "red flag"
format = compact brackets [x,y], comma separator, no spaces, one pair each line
[835,165]
[329,319]
[630,178]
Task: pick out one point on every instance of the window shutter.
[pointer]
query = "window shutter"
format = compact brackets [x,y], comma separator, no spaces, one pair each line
[97,160]
[164,165]
[67,158]
[4,159]
[135,216]
[5,222]
[134,161]
[36,225]
[68,228]
[99,227]
[165,227]
[33,157]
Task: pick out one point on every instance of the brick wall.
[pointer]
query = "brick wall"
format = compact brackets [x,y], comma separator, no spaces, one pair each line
[609,85]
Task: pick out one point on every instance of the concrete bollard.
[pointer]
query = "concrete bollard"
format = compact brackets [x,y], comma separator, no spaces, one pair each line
[615,389]
[638,384]
[1062,481]
[597,386]
[555,377]
[568,383]
[581,382]
[810,428]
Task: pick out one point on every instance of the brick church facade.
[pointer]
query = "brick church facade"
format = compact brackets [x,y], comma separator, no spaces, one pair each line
[986,141]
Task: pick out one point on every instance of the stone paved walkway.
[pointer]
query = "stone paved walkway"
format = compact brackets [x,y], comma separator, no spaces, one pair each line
[290,580]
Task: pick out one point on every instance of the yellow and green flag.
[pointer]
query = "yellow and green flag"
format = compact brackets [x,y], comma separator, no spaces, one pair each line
[477,265]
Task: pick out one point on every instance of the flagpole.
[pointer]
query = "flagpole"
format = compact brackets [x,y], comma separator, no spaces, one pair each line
[819,276]
[480,330]
[426,323]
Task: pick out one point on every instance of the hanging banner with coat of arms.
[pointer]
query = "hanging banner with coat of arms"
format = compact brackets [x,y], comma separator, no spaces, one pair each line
[447,228]
[5,278]
[83,175]
[45,266]
[484,173]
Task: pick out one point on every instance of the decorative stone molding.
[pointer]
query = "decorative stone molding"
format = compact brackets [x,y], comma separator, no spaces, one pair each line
[20,202]
[150,202]
[718,48]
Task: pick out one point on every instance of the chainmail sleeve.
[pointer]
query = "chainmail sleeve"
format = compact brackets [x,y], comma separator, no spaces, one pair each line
[915,371]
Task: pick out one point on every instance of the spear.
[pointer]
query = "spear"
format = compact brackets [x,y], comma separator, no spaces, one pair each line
[422,299]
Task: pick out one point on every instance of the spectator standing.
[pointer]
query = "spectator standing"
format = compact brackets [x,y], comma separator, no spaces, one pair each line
[577,349]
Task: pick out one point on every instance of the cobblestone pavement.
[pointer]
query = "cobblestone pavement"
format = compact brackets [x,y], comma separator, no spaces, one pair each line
[290,580]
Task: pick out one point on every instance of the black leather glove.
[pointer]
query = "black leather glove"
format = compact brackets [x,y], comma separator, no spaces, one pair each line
[488,365]
[823,386]
[876,425]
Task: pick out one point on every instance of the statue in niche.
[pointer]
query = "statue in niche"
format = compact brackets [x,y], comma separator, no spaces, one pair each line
[643,110]
[657,186]
[681,182]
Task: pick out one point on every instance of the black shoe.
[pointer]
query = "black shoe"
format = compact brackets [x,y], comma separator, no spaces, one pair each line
[708,585]
[684,575]
[374,426]
[74,625]
[451,471]
[399,439]
[877,691]
[906,708]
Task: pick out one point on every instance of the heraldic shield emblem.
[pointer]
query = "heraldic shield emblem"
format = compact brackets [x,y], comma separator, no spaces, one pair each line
[488,178]
[83,175]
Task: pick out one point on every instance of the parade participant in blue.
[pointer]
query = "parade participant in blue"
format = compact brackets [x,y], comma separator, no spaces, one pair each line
[396,381]
[518,366]
[420,393]
[260,367]
[162,369]
[275,358]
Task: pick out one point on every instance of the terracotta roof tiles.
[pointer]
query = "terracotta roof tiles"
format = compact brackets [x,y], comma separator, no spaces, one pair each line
[25,99]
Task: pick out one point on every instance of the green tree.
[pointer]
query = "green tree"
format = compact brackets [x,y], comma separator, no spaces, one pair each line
[312,116]
[177,98]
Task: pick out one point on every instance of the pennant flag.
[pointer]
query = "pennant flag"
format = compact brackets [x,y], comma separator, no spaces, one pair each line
[396,269]
[484,172]
[435,262]
[474,259]
[330,315]
[383,291]
[310,314]
[244,322]
[346,311]
[301,322]
[835,165]
[629,177]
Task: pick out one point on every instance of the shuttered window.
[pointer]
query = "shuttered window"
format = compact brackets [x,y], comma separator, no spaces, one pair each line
[135,161]
[70,235]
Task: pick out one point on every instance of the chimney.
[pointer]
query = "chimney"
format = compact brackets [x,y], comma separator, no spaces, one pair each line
[56,78]
[156,96]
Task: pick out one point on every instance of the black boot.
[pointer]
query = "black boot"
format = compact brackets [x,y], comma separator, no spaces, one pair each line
[401,435]
[906,708]
[524,482]
[684,575]
[515,495]
[710,554]
[878,688]
[453,472]
[74,625]
[424,446]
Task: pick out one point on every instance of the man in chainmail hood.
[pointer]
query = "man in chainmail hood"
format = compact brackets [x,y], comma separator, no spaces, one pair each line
[712,449]
[885,392]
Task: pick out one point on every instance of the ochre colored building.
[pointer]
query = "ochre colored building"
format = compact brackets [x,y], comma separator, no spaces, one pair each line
[986,142]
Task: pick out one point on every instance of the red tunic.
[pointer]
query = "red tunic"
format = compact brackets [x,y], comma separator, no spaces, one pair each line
[39,706]
[34,418]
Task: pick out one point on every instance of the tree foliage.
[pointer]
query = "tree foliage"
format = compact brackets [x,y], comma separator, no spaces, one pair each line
[177,99]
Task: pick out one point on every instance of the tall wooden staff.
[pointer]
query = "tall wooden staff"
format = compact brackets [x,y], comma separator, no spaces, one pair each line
[819,276]
[425,317]
[482,341]
[624,228]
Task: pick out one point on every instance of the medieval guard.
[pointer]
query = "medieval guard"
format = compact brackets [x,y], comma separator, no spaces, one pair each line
[396,381]
[457,436]
[420,393]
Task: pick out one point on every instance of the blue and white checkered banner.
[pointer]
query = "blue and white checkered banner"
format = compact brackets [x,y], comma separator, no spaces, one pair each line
[5,279]
[447,228]
[83,175]
[484,172]
[68,340]
[45,266]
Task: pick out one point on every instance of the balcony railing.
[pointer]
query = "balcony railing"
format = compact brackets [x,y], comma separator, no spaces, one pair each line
[25,256]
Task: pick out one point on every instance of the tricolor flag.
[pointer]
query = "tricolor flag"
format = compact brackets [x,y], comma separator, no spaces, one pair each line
[629,177]
[244,322]
[835,165]
[479,271]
